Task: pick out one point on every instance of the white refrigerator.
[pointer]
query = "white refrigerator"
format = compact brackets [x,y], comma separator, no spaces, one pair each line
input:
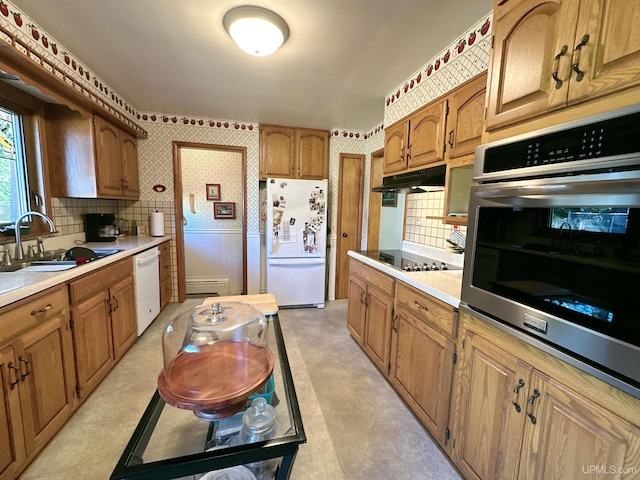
[296,235]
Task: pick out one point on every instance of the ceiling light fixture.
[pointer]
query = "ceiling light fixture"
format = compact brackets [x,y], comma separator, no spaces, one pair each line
[256,30]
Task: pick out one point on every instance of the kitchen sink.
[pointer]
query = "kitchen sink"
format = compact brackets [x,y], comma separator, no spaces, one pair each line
[39,266]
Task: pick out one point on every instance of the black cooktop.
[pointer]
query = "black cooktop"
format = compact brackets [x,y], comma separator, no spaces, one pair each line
[409,262]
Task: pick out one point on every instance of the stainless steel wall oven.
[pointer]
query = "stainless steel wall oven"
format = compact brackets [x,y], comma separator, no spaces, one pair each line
[553,250]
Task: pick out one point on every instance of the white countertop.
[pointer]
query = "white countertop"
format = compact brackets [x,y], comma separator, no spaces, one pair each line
[444,285]
[17,285]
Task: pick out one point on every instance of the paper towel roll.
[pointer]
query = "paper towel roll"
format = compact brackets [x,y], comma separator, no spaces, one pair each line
[157,224]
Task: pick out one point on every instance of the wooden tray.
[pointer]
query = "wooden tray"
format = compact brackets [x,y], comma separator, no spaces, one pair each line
[216,381]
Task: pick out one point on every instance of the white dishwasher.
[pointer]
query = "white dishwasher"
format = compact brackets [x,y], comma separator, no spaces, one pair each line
[146,271]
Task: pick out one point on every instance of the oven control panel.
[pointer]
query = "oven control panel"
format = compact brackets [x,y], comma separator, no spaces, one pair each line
[611,137]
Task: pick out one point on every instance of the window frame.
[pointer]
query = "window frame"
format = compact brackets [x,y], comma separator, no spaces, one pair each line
[33,126]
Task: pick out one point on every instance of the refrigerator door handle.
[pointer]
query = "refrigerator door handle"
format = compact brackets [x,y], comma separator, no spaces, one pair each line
[295,262]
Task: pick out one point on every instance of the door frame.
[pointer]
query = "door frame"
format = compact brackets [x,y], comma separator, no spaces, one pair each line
[375,199]
[361,166]
[178,209]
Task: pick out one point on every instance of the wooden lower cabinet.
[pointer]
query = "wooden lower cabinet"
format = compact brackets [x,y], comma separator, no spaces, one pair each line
[104,323]
[37,373]
[421,370]
[519,414]
[370,312]
[166,288]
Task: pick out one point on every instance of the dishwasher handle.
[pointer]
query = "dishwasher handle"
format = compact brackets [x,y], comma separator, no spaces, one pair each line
[147,257]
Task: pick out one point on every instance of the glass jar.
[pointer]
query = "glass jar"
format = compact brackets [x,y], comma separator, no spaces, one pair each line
[215,356]
[259,424]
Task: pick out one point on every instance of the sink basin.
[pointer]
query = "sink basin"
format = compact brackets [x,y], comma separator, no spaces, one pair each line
[105,252]
[39,266]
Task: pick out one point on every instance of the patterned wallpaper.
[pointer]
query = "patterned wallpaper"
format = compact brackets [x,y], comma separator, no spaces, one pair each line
[201,167]
[455,64]
[155,156]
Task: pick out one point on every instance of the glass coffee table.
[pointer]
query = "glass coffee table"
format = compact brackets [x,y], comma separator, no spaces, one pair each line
[171,443]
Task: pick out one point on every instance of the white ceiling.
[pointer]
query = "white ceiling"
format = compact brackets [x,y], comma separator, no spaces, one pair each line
[174,57]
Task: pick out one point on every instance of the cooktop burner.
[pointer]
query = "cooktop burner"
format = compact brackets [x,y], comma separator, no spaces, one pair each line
[408,262]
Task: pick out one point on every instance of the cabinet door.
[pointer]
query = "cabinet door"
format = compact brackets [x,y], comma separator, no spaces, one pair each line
[123,316]
[377,338]
[528,44]
[356,308]
[312,151]
[108,164]
[422,371]
[395,147]
[12,446]
[277,151]
[92,341]
[426,135]
[466,117]
[46,364]
[609,58]
[129,159]
[488,426]
[574,438]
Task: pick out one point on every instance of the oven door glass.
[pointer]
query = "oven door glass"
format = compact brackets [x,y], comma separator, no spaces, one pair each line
[575,256]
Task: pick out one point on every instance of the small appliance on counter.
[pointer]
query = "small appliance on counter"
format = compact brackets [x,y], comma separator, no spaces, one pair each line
[100,227]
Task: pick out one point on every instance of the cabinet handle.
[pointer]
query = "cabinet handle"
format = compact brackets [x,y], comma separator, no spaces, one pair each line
[556,66]
[516,390]
[420,307]
[27,367]
[42,310]
[362,298]
[536,394]
[451,138]
[117,304]
[366,301]
[402,154]
[16,371]
[576,58]
[393,323]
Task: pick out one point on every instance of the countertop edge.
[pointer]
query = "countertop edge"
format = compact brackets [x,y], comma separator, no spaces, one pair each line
[36,282]
[410,278]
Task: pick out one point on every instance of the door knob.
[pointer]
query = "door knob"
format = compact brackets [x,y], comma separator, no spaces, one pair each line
[345,235]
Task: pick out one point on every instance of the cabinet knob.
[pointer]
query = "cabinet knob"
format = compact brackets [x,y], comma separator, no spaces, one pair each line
[345,235]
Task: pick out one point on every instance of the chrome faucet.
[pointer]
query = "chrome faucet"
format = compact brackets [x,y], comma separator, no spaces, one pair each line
[19,253]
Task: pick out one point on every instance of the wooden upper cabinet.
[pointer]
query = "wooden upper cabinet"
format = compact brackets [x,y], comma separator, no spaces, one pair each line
[289,152]
[465,124]
[312,148]
[129,158]
[277,151]
[89,157]
[108,165]
[426,134]
[610,57]
[395,147]
[552,53]
[528,43]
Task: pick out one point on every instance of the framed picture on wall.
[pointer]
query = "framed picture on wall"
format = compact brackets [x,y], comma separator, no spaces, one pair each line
[389,199]
[224,210]
[213,191]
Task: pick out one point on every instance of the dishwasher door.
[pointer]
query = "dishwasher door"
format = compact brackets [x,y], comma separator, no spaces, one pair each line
[147,278]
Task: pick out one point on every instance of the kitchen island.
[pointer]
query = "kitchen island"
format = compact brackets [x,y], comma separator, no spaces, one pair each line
[171,443]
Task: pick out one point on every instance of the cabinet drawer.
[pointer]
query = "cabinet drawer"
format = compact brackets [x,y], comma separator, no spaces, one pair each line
[99,280]
[26,313]
[427,308]
[374,278]
[166,290]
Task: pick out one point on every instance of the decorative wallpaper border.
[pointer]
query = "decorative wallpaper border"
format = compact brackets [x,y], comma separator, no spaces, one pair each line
[336,132]
[454,65]
[169,119]
[19,31]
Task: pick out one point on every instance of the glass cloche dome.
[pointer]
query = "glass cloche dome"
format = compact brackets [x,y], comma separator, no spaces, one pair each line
[215,356]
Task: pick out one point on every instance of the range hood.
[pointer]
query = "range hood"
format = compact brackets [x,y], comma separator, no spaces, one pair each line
[418,181]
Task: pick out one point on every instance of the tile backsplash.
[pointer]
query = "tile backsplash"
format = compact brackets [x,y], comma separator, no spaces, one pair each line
[68,213]
[427,231]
